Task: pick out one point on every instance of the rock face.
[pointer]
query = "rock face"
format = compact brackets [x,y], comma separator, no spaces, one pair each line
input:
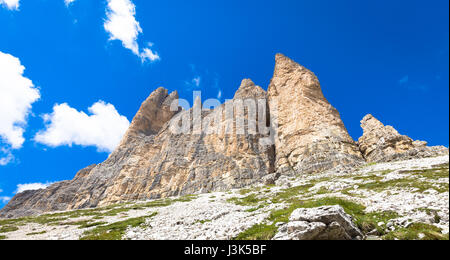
[381,143]
[311,136]
[323,223]
[154,113]
[154,162]
[168,151]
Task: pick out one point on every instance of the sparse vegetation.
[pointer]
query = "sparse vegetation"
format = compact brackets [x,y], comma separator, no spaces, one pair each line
[257,199]
[365,221]
[417,231]
[323,190]
[249,200]
[432,174]
[406,183]
[114,231]
[36,233]
[256,208]
[258,232]
[203,221]
[7,229]
[287,195]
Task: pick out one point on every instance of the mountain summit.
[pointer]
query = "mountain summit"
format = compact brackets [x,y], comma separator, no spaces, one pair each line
[257,137]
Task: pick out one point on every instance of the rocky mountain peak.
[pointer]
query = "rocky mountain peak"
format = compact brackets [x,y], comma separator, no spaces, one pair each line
[311,135]
[287,70]
[248,89]
[370,124]
[154,112]
[384,143]
[306,136]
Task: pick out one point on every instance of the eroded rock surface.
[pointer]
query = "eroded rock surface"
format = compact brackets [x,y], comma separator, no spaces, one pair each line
[311,136]
[381,143]
[157,158]
[153,161]
[323,223]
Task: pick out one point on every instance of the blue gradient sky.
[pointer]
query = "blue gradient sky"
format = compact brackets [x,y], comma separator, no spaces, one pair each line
[388,58]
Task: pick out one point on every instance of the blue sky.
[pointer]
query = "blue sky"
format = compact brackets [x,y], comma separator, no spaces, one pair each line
[388,58]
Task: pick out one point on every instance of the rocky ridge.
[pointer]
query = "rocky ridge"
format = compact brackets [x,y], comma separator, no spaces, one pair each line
[381,143]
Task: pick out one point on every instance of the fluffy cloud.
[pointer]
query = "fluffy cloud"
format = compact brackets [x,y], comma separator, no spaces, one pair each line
[5,156]
[121,25]
[4,199]
[103,129]
[17,94]
[68,2]
[148,54]
[31,186]
[196,81]
[10,4]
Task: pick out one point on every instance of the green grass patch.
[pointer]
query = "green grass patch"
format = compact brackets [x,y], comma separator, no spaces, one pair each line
[245,191]
[429,232]
[249,200]
[432,174]
[431,212]
[256,208]
[203,221]
[289,194]
[2,237]
[114,231]
[84,223]
[7,229]
[36,233]
[407,183]
[370,164]
[323,190]
[370,177]
[258,232]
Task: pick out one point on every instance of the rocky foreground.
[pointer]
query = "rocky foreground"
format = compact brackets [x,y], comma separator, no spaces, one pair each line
[395,200]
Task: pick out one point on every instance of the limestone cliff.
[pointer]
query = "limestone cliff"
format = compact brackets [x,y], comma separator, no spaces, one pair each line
[381,143]
[299,132]
[311,136]
[153,162]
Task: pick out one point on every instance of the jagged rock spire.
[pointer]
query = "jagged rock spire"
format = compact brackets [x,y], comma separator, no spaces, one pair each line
[248,89]
[381,143]
[311,135]
[154,112]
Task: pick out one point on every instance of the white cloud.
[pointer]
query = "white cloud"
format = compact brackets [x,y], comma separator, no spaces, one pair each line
[196,81]
[17,94]
[5,199]
[121,25]
[148,54]
[219,94]
[5,156]
[67,126]
[68,2]
[31,186]
[10,4]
